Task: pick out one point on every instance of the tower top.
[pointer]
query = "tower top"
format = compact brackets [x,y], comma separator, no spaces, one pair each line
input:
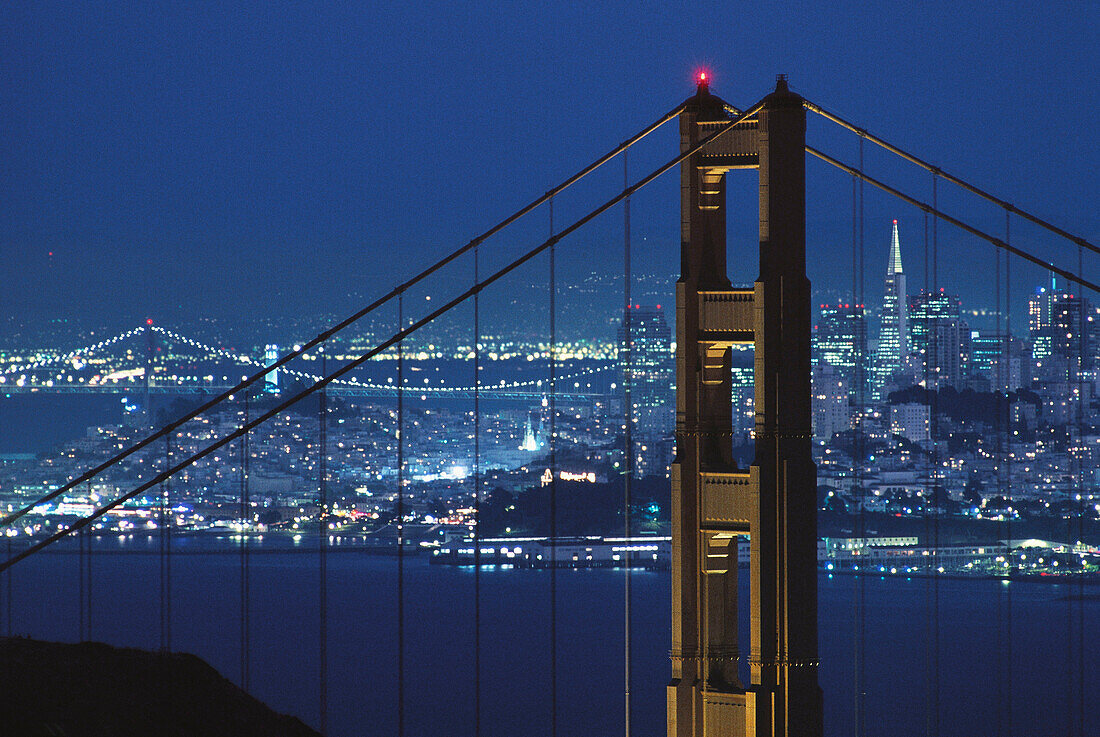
[894,266]
[703,80]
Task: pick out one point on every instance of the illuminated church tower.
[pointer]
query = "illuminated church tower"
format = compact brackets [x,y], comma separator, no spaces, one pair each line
[893,346]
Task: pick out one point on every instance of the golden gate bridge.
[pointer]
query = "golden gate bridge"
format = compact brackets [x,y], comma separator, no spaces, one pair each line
[714,502]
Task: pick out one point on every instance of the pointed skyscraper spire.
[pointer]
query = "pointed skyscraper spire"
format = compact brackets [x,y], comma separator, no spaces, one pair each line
[894,267]
[893,338]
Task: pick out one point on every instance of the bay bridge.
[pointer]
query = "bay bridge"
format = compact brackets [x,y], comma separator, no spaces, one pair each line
[739,665]
[53,373]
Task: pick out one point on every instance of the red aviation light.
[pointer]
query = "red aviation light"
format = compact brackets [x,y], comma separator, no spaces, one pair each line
[702,77]
[895,221]
[148,321]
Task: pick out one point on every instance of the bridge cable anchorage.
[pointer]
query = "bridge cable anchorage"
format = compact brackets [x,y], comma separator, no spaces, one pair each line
[936,171]
[351,319]
[628,449]
[553,288]
[939,214]
[379,348]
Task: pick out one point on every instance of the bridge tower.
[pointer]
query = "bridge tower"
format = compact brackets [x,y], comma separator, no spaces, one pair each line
[774,500]
[147,380]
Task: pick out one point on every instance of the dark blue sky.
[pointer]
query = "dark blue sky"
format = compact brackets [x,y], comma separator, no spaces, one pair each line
[221,158]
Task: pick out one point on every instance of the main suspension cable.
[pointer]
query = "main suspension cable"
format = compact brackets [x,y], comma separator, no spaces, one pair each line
[329,333]
[935,170]
[939,214]
[393,340]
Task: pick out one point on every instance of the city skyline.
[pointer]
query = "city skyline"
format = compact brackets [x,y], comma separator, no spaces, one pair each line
[677,446]
[171,173]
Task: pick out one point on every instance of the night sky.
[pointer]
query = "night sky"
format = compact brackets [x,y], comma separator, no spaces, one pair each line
[235,159]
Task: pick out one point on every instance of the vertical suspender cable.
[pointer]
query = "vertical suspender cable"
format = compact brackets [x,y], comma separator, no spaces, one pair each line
[401,519]
[1080,712]
[1001,428]
[1077,329]
[168,546]
[929,482]
[857,462]
[858,298]
[9,592]
[80,541]
[477,501]
[246,526]
[1008,494]
[162,523]
[856,614]
[628,451]
[935,486]
[88,572]
[553,490]
[165,517]
[322,551]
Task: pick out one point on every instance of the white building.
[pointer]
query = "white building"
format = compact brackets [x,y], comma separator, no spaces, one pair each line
[911,421]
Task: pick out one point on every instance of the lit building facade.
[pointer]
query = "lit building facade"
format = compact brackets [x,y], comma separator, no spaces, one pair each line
[271,380]
[938,337]
[840,342]
[830,406]
[893,347]
[650,376]
[911,421]
[1064,329]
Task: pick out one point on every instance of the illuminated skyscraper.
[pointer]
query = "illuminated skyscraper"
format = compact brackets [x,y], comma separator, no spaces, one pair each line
[840,342]
[939,337]
[893,347]
[650,376]
[271,381]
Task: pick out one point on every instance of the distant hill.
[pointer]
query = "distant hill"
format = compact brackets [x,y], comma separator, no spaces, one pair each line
[95,690]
